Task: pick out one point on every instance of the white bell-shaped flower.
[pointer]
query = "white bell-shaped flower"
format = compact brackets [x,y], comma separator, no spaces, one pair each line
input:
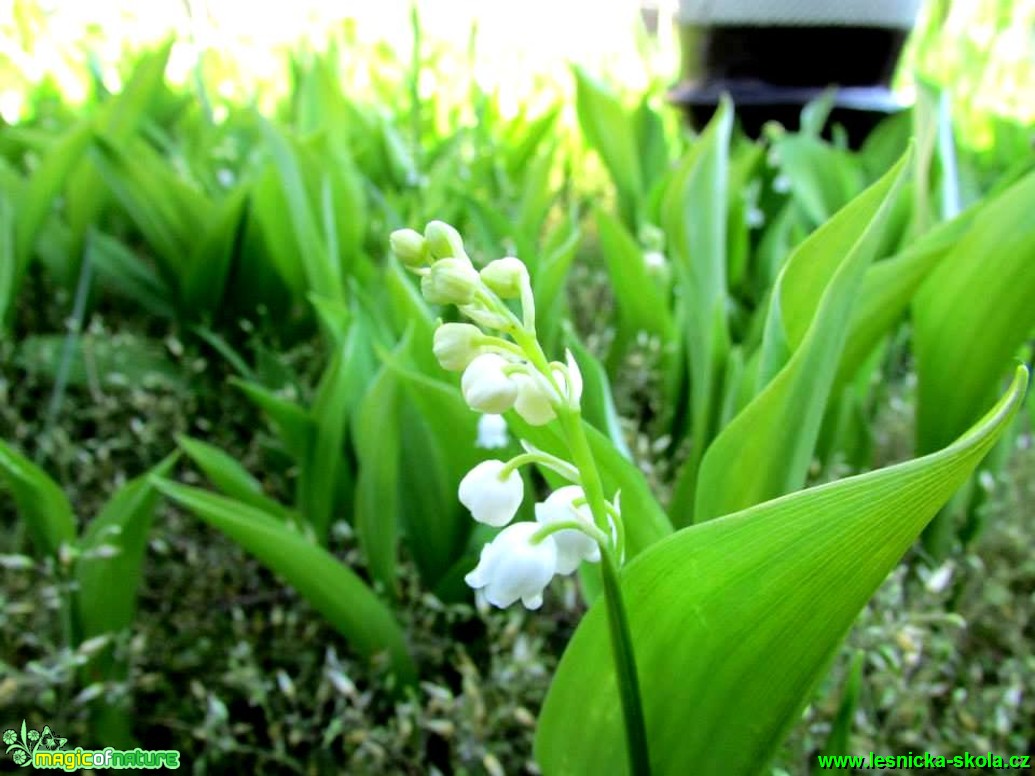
[492,432]
[573,546]
[511,566]
[535,398]
[493,499]
[486,386]
[456,345]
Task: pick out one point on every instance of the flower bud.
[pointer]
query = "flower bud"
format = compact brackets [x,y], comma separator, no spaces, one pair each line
[456,345]
[409,247]
[492,499]
[485,385]
[505,277]
[512,567]
[450,281]
[573,546]
[444,241]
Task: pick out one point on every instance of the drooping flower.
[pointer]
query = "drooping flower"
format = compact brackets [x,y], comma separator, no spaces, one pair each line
[492,499]
[486,386]
[573,546]
[492,432]
[444,241]
[535,399]
[511,566]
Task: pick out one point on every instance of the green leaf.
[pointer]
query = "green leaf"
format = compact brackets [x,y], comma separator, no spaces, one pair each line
[44,187]
[340,596]
[129,275]
[41,502]
[230,477]
[740,617]
[611,131]
[767,448]
[641,304]
[694,216]
[973,314]
[376,439]
[108,361]
[291,422]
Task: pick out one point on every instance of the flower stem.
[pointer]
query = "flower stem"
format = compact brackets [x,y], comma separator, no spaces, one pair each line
[618,621]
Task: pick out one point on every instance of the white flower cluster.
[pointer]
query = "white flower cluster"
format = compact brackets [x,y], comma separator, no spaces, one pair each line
[522,559]
[500,374]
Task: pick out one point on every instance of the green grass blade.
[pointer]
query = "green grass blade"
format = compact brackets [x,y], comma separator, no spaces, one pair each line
[41,502]
[735,620]
[340,596]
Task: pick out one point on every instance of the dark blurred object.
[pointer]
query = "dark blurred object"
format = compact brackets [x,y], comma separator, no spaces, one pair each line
[775,56]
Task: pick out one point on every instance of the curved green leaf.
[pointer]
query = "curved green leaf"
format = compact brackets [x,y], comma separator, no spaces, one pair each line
[41,502]
[733,621]
[765,452]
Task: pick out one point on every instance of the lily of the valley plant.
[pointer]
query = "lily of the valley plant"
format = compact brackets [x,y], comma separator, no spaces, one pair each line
[504,367]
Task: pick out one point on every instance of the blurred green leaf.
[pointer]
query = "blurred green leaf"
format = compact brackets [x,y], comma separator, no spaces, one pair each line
[41,502]
[973,314]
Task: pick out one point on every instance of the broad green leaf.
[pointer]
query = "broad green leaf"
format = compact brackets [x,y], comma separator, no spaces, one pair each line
[230,477]
[694,216]
[973,314]
[766,450]
[822,178]
[889,288]
[346,602]
[40,501]
[733,621]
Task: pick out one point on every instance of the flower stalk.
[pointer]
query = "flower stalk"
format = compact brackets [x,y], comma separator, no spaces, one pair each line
[577,523]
